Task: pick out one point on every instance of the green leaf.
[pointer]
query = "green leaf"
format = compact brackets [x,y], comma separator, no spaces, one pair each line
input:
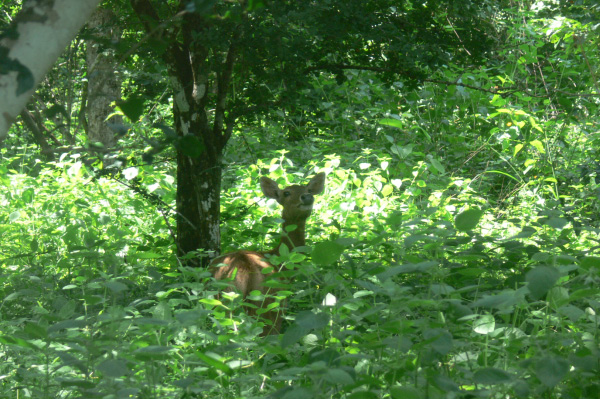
[9,340]
[387,190]
[133,107]
[572,312]
[557,297]
[590,262]
[28,195]
[491,376]
[211,361]
[468,220]
[338,376]
[405,393]
[67,324]
[540,280]
[484,324]
[441,340]
[526,232]
[310,321]
[503,174]
[113,368]
[518,148]
[148,255]
[551,370]
[254,5]
[298,393]
[557,223]
[363,395]
[394,219]
[445,383]
[438,165]
[293,334]
[116,286]
[77,382]
[326,253]
[503,300]
[304,323]
[14,216]
[538,146]
[391,122]
[35,330]
[190,146]
[153,352]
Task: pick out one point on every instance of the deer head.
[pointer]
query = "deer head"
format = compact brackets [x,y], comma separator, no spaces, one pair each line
[297,202]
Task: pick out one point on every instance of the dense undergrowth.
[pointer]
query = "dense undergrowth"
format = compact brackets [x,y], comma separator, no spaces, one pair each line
[454,254]
[415,286]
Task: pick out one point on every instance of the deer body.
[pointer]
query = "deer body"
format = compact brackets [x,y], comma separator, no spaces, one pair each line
[247,266]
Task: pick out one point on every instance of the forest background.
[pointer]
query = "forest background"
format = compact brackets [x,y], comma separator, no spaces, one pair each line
[454,253]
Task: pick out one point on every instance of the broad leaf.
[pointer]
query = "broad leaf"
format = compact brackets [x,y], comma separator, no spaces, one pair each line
[491,376]
[326,253]
[468,220]
[540,280]
[551,370]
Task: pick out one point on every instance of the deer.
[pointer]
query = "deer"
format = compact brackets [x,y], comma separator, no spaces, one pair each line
[246,268]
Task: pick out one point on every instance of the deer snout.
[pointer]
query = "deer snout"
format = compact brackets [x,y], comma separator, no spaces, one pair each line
[307,199]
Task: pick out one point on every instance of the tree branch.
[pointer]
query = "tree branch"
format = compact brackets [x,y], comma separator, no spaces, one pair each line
[223,84]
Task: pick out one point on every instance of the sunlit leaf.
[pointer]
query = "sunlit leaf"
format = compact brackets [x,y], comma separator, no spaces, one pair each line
[468,220]
[538,146]
[217,364]
[485,324]
[391,122]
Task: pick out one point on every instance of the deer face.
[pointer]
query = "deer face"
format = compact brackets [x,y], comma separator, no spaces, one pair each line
[297,201]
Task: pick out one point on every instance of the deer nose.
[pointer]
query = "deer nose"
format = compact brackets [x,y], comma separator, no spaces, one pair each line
[307,199]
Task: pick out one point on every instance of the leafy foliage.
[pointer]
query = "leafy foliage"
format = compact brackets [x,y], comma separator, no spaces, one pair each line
[454,253]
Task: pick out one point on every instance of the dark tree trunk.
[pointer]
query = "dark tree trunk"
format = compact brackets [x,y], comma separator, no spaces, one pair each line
[198,195]
[200,77]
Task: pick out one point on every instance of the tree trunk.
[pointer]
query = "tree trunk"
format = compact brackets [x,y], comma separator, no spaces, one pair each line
[198,180]
[200,77]
[198,207]
[198,188]
[104,85]
[35,39]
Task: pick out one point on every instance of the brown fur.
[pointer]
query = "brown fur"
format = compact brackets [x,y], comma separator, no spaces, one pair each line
[297,202]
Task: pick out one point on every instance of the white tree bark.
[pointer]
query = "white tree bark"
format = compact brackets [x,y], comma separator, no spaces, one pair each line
[33,42]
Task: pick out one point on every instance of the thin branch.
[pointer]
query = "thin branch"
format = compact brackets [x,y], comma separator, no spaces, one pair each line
[223,83]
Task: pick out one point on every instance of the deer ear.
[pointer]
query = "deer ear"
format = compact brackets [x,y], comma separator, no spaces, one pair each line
[269,188]
[317,184]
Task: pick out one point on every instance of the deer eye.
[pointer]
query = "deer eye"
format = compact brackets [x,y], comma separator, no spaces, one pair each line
[286,193]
